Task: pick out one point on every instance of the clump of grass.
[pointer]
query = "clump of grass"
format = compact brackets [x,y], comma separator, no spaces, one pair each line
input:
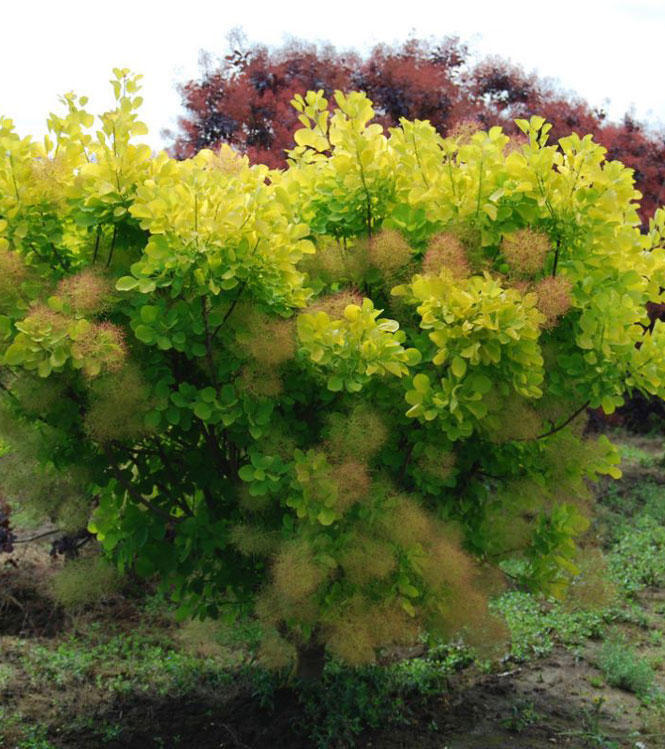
[624,669]
[85,581]
[637,455]
[7,673]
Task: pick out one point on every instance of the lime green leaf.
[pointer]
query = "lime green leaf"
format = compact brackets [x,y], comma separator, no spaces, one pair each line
[145,334]
[458,367]
[126,283]
[246,473]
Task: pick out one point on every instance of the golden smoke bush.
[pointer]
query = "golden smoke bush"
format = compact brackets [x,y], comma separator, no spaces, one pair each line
[446,251]
[296,575]
[563,455]
[353,483]
[38,395]
[407,523]
[462,131]
[87,293]
[268,340]
[437,462]
[101,348]
[275,652]
[516,419]
[272,608]
[393,626]
[389,253]
[554,298]
[525,251]
[510,531]
[253,504]
[45,321]
[359,434]
[12,274]
[335,304]
[252,540]
[117,404]
[367,559]
[361,626]
[353,641]
[74,510]
[446,565]
[259,382]
[466,613]
[85,581]
[277,441]
[592,588]
[335,263]
[267,607]
[516,142]
[228,161]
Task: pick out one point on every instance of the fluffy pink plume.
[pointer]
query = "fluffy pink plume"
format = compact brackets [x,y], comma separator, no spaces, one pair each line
[525,251]
[446,251]
[554,298]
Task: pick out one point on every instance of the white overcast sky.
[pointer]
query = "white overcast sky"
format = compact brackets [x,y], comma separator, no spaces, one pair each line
[600,49]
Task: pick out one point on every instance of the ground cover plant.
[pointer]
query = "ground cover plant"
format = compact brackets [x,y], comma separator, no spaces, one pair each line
[339,397]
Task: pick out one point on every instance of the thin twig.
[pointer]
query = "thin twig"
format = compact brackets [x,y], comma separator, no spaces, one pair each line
[113,238]
[556,428]
[35,538]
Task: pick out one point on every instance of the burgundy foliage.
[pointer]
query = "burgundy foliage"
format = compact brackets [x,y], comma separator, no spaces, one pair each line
[6,535]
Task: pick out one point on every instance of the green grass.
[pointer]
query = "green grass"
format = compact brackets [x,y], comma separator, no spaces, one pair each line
[537,624]
[122,664]
[636,455]
[624,669]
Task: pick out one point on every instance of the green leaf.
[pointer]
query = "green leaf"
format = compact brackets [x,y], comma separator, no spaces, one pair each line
[202,410]
[126,283]
[145,334]
[208,394]
[327,516]
[421,383]
[173,415]
[15,355]
[480,383]
[407,606]
[147,285]
[335,383]
[149,313]
[152,419]
[458,367]
[246,473]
